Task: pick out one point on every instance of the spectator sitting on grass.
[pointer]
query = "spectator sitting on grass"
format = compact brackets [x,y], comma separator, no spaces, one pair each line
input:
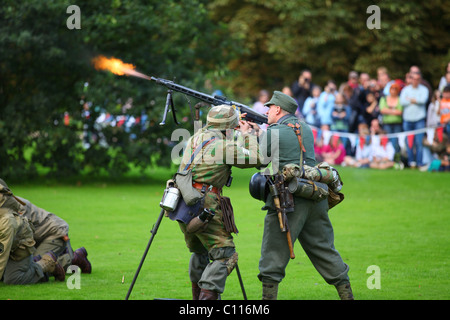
[364,153]
[436,151]
[334,152]
[383,154]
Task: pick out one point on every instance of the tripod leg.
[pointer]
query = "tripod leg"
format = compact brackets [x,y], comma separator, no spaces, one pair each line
[241,282]
[153,232]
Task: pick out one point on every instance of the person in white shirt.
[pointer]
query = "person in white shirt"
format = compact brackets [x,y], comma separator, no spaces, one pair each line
[413,98]
[383,155]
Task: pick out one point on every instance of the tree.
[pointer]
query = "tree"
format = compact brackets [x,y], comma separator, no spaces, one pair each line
[46,72]
[332,38]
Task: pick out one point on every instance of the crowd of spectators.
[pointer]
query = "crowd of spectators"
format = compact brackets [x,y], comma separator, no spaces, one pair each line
[360,122]
[95,119]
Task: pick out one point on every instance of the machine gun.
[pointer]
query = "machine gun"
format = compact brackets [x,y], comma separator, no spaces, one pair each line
[250,115]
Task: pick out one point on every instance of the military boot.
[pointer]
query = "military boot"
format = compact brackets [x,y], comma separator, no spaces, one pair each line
[49,264]
[345,291]
[269,291]
[80,259]
[208,295]
[195,291]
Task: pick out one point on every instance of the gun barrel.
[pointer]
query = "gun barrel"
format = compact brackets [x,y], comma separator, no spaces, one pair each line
[176,87]
[251,115]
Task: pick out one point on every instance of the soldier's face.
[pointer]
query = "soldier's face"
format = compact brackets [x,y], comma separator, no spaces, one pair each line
[272,114]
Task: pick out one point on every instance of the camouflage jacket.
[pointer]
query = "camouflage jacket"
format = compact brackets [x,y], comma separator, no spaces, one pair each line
[16,231]
[46,224]
[211,155]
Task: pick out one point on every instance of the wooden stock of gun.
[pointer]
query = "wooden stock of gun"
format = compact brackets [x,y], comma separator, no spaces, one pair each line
[282,203]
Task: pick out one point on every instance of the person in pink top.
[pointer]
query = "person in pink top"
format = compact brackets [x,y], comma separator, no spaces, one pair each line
[334,153]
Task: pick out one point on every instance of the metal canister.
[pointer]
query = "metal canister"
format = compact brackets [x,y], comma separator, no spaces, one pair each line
[308,189]
[170,199]
[336,185]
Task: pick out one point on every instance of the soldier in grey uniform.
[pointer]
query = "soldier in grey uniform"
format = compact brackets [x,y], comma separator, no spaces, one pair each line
[309,222]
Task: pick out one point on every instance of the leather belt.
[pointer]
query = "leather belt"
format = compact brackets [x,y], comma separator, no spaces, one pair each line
[199,186]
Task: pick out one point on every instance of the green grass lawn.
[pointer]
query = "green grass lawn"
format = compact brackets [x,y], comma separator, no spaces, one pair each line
[396,220]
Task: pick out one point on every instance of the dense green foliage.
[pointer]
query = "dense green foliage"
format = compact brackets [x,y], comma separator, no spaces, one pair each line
[45,68]
[236,46]
[332,38]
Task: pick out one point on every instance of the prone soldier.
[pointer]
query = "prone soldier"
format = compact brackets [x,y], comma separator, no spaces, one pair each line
[51,245]
[17,246]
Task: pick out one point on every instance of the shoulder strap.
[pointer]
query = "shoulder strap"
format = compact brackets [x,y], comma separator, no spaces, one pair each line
[298,131]
[197,150]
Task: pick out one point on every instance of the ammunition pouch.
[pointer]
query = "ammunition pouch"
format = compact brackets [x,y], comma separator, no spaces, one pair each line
[228,215]
[183,180]
[334,198]
[200,220]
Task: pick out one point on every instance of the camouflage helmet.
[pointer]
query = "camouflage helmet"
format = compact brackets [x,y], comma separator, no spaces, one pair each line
[222,117]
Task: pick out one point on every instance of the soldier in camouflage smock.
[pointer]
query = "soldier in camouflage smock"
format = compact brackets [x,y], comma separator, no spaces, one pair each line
[49,232]
[211,169]
[17,245]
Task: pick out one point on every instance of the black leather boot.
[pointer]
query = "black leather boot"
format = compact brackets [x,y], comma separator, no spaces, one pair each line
[195,291]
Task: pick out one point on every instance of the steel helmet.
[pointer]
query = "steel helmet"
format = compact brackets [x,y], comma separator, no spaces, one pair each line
[258,187]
